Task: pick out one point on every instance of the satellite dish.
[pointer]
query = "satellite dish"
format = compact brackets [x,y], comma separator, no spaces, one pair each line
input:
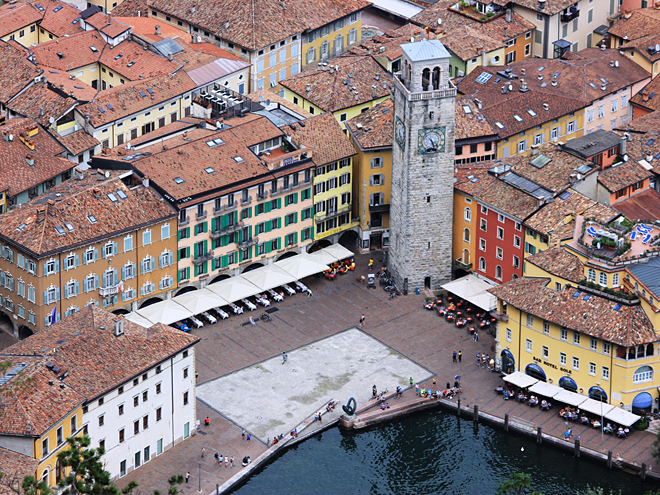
[51,119]
[107,174]
[268,102]
[439,21]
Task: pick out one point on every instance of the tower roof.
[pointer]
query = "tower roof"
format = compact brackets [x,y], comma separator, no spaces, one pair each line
[425,50]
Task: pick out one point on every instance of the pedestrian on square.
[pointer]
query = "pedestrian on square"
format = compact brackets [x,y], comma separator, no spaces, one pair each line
[362,318]
[217,457]
[460,356]
[411,381]
[187,476]
[309,293]
[243,434]
[203,452]
[416,388]
[249,437]
[453,356]
[284,357]
[226,462]
[231,461]
[476,336]
[371,263]
[433,382]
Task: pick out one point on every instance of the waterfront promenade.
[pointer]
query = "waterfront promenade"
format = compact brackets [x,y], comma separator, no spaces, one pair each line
[401,324]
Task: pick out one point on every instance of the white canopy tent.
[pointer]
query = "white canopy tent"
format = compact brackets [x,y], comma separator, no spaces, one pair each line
[545,389]
[474,290]
[622,417]
[322,256]
[234,289]
[570,398]
[593,406]
[165,312]
[267,277]
[339,251]
[140,320]
[199,301]
[301,266]
[520,379]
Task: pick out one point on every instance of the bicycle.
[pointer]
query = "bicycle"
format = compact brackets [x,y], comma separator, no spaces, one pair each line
[265,317]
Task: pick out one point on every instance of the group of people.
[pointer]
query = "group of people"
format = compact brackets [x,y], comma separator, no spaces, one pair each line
[220,459]
[484,359]
[340,268]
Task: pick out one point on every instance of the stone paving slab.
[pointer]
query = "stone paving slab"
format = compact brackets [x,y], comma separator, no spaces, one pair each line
[283,394]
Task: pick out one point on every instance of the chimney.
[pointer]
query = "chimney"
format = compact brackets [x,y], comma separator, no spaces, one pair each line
[554,81]
[506,32]
[484,58]
[41,214]
[523,86]
[169,57]
[478,102]
[509,15]
[522,72]
[158,29]
[145,181]
[603,87]
[30,160]
[119,328]
[373,91]
[546,107]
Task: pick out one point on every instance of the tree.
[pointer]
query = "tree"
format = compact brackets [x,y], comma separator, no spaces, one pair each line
[33,486]
[87,474]
[655,450]
[516,484]
[174,480]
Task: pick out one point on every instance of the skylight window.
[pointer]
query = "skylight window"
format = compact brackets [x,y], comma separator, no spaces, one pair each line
[112,197]
[179,180]
[238,159]
[617,307]
[540,68]
[467,109]
[40,7]
[21,227]
[101,109]
[130,64]
[143,94]
[68,226]
[531,112]
[518,118]
[650,142]
[565,196]
[499,125]
[119,56]
[544,84]
[218,141]
[586,297]
[91,219]
[150,91]
[592,85]
[484,77]
[210,144]
[110,107]
[121,194]
[60,230]
[209,170]
[57,9]
[94,49]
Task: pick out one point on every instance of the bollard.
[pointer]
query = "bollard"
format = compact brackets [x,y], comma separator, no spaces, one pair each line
[217,489]
[475,416]
[458,409]
[506,423]
[643,471]
[609,459]
[577,448]
[539,435]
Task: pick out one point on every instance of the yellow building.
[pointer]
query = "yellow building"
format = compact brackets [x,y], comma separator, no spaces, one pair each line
[352,84]
[38,432]
[333,187]
[332,39]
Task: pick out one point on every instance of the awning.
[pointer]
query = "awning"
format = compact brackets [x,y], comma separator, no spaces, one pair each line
[165,312]
[400,8]
[473,289]
[593,406]
[338,251]
[267,277]
[570,398]
[535,371]
[596,393]
[545,389]
[520,379]
[301,266]
[642,400]
[140,320]
[234,289]
[567,383]
[622,417]
[199,301]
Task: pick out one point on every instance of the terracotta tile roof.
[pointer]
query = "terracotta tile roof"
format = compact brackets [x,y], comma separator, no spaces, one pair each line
[131,8]
[16,71]
[34,407]
[472,124]
[472,178]
[559,262]
[18,175]
[211,49]
[59,23]
[95,360]
[15,16]
[192,58]
[644,98]
[16,467]
[107,25]
[263,95]
[67,83]
[596,317]
[39,102]
[640,45]
[550,7]
[328,91]
[623,175]
[145,27]
[509,199]
[77,200]
[550,217]
[77,142]
[641,206]
[374,128]
[76,51]
[254,24]
[388,45]
[131,60]
[126,99]
[324,136]
[190,123]
[637,24]
[188,159]
[564,232]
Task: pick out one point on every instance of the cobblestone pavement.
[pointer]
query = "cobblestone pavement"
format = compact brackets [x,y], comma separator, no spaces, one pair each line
[400,323]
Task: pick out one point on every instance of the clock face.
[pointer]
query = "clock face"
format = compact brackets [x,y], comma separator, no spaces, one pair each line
[400,133]
[431,140]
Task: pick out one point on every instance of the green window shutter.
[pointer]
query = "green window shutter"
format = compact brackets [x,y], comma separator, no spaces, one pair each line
[267,226]
[295,238]
[187,272]
[312,232]
[286,220]
[249,212]
[295,217]
[295,198]
[279,203]
[178,235]
[188,254]
[205,267]
[223,221]
[187,232]
[313,210]
[225,260]
[178,276]
[213,224]
[279,243]
[195,271]
[267,247]
[195,251]
[206,246]
[267,206]
[279,222]
[250,230]
[224,240]
[236,217]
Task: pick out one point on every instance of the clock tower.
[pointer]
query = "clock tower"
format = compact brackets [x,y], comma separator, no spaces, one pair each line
[422,198]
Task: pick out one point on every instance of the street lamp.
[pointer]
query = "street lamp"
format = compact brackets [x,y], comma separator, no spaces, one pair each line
[200,478]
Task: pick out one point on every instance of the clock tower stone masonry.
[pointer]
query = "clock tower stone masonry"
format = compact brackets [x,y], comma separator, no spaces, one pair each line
[421,206]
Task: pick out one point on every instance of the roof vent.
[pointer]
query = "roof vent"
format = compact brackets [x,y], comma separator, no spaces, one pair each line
[546,107]
[381,49]
[308,88]
[554,81]
[60,55]
[119,327]
[540,76]
[30,160]
[603,87]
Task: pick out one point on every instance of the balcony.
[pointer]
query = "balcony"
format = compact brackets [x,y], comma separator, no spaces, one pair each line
[184,221]
[246,201]
[230,229]
[247,243]
[570,13]
[335,212]
[231,207]
[217,211]
[201,217]
[295,186]
[379,208]
[262,195]
[465,266]
[109,291]
[203,257]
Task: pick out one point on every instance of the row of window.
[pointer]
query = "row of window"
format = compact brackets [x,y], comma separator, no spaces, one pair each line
[59,436]
[338,221]
[328,50]
[335,182]
[331,27]
[498,268]
[601,108]
[603,278]
[331,167]
[333,204]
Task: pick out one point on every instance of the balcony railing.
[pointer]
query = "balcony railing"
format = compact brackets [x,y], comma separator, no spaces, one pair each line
[379,208]
[198,260]
[232,206]
[217,211]
[335,212]
[295,186]
[184,221]
[570,14]
[230,229]
[262,195]
[247,243]
[109,291]
[461,264]
[200,217]
[246,201]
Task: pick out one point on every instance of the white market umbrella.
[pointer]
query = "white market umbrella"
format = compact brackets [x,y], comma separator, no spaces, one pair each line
[339,251]
[138,320]
[234,289]
[199,301]
[520,379]
[165,312]
[301,266]
[267,277]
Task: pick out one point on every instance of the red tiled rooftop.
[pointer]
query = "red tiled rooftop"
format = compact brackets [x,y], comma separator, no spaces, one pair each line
[642,206]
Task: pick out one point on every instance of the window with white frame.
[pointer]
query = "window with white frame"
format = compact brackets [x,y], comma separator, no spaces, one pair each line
[516,262]
[516,241]
[482,264]
[165,231]
[593,344]
[592,369]
[590,115]
[147,264]
[108,250]
[128,243]
[554,133]
[530,320]
[90,283]
[576,338]
[89,255]
[31,293]
[562,359]
[606,348]
[545,352]
[528,345]
[624,101]
[499,253]
[601,111]
[570,127]
[576,363]
[605,375]
[70,262]
[563,334]
[508,335]
[615,280]
[522,146]
[643,374]
[500,233]
[591,275]
[482,244]
[498,272]
[51,266]
[546,327]
[51,295]
[538,140]
[602,279]
[146,237]
[615,104]
[467,214]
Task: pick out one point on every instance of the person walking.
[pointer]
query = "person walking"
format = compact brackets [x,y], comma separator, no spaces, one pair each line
[217,457]
[453,356]
[433,382]
[231,461]
[226,462]
[187,476]
[284,357]
[476,336]
[309,293]
[248,438]
[460,356]
[416,388]
[362,318]
[203,452]
[371,263]
[411,381]
[243,434]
